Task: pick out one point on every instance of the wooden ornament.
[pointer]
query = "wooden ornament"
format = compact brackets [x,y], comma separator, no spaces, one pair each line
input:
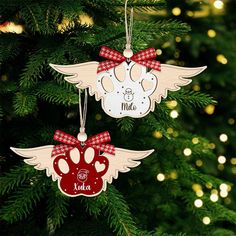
[82,171]
[128,89]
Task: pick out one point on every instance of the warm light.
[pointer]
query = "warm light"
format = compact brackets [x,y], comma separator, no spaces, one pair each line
[11,27]
[4,77]
[223,138]
[218,4]
[195,140]
[206,220]
[223,187]
[173,175]
[187,38]
[175,134]
[209,185]
[187,152]
[221,167]
[211,145]
[233,161]
[234,170]
[196,187]
[171,104]
[174,114]
[221,59]
[170,131]
[176,11]
[209,109]
[198,203]
[214,191]
[178,39]
[199,193]
[221,159]
[223,194]
[211,33]
[65,24]
[214,197]
[160,177]
[157,134]
[190,13]
[196,87]
[98,116]
[84,19]
[158,52]
[231,121]
[199,163]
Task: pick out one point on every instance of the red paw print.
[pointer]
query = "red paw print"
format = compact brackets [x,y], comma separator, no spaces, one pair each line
[81,171]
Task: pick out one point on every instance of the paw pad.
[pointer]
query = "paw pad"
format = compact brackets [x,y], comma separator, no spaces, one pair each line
[126,89]
[81,171]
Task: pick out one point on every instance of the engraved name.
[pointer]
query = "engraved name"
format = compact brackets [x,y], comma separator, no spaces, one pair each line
[84,187]
[128,106]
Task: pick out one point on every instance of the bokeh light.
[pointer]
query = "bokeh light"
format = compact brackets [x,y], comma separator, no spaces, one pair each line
[218,4]
[176,11]
[198,203]
[174,114]
[206,220]
[160,177]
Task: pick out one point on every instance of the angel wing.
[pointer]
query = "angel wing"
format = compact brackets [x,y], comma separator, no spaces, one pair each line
[40,158]
[84,75]
[171,78]
[122,161]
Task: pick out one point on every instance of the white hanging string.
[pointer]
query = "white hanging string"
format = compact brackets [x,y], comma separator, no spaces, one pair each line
[83,112]
[128,29]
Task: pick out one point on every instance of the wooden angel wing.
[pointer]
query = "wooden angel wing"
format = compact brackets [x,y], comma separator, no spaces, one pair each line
[84,75]
[122,161]
[40,158]
[171,78]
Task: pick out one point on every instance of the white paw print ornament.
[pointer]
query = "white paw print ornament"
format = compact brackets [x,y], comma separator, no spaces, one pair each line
[123,83]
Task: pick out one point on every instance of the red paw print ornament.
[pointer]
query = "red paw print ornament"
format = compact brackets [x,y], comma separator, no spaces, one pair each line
[82,168]
[81,171]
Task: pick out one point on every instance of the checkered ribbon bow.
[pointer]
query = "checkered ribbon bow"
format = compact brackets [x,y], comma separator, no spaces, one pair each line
[69,142]
[143,57]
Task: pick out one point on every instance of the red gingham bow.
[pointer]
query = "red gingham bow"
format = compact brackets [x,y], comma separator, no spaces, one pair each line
[97,142]
[143,57]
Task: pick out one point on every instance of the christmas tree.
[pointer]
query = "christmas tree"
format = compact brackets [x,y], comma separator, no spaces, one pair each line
[183,187]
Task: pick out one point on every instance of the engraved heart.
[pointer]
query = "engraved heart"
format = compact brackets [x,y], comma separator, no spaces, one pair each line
[99,167]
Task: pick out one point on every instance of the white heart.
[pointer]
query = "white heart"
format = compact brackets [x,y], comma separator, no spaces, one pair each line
[99,167]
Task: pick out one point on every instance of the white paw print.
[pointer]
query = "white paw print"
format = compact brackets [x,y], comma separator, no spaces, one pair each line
[126,89]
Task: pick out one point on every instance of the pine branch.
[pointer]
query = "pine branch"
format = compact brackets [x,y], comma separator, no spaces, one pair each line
[34,69]
[144,33]
[7,87]
[40,18]
[162,28]
[9,47]
[20,204]
[186,171]
[24,103]
[118,213]
[214,210]
[15,177]
[54,93]
[57,205]
[191,98]
[126,124]
[94,206]
[147,3]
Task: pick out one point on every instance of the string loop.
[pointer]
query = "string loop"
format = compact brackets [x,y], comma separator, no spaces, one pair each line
[82,114]
[128,30]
